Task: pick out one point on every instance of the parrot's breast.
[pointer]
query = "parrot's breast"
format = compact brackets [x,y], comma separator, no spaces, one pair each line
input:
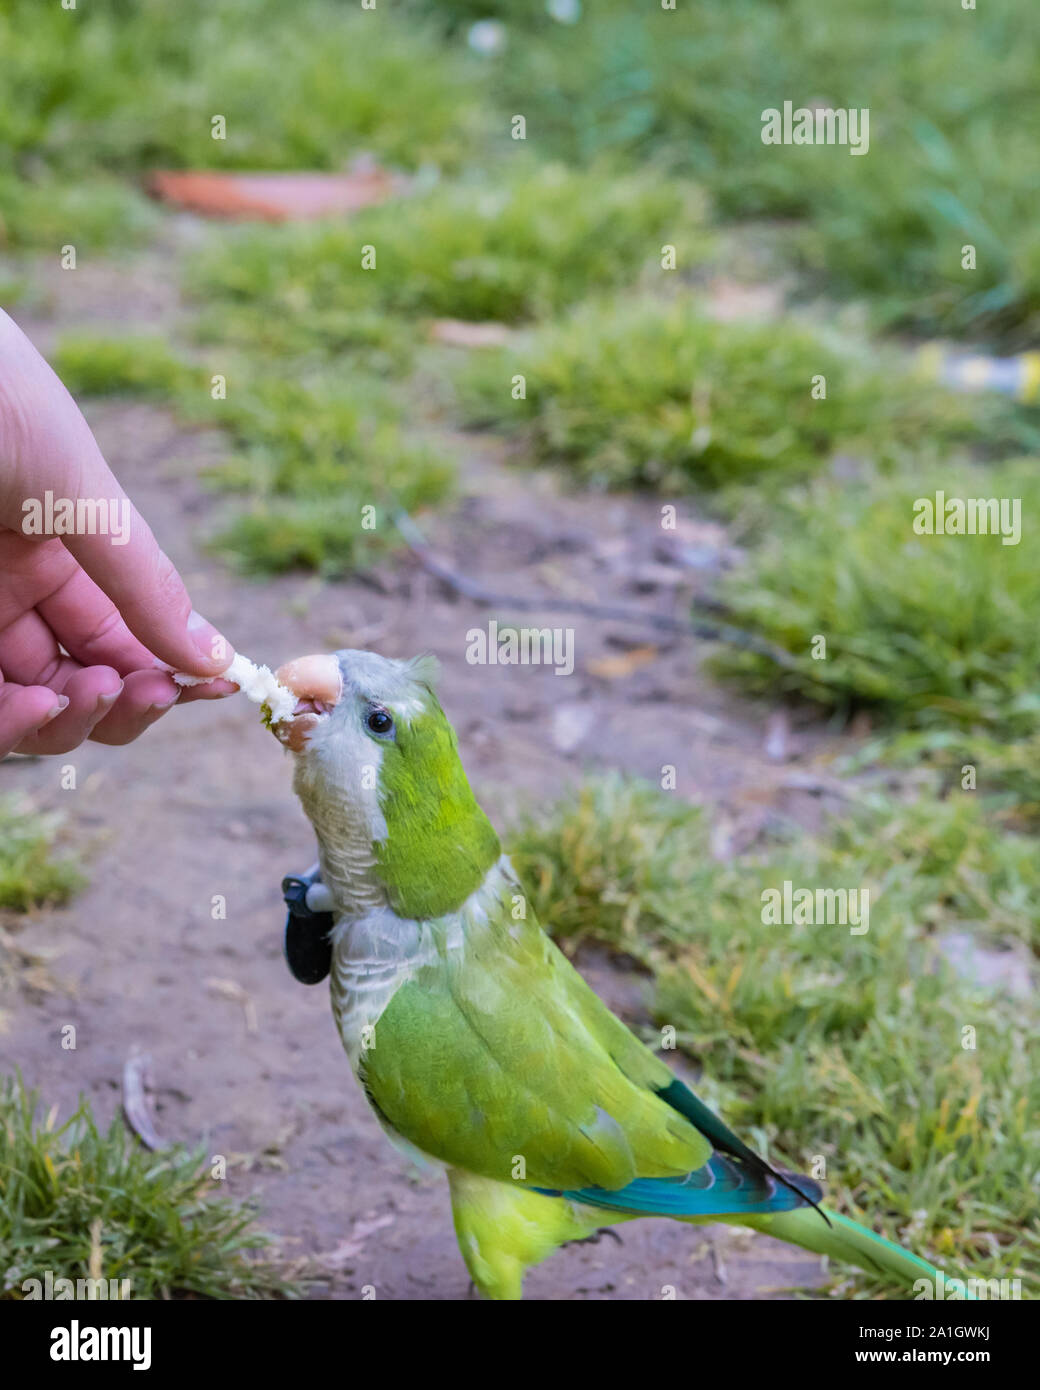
[372,957]
[375,954]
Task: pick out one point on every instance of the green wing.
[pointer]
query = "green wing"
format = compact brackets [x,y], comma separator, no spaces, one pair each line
[500,1052]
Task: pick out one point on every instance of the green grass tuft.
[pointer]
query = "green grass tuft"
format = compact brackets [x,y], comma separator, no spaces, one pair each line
[314,332]
[96,365]
[131,86]
[119,88]
[30,874]
[1007,775]
[639,392]
[539,240]
[44,214]
[83,1202]
[321,461]
[311,451]
[935,630]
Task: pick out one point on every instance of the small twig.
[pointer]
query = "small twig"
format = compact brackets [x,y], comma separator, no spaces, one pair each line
[477,593]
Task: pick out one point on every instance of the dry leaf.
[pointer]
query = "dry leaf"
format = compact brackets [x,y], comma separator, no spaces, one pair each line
[612,668]
[231,989]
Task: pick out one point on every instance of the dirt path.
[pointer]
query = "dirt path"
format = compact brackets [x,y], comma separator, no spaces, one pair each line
[202,806]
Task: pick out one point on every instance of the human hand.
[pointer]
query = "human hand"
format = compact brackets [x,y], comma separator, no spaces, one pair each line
[86,620]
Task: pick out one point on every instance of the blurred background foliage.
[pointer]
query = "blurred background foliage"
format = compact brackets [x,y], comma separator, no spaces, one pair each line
[955,127]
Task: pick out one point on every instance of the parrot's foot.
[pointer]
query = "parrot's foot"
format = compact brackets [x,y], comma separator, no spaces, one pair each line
[596,1237]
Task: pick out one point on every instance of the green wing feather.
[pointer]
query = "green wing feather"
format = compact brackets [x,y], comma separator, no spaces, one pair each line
[499,1051]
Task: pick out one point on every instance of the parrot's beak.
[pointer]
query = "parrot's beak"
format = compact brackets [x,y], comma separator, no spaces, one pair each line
[317,683]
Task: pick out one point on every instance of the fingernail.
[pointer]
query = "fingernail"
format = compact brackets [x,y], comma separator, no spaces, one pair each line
[157,708]
[63,704]
[105,702]
[206,638]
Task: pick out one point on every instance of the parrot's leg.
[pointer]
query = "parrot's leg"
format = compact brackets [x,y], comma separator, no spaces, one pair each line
[503,1229]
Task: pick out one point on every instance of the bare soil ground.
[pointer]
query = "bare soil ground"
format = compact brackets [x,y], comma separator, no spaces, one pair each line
[244,1058]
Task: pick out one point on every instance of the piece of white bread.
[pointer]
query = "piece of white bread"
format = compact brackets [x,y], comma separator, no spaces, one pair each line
[257,683]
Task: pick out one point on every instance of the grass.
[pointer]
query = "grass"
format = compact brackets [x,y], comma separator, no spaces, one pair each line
[46,213]
[952,156]
[813,1041]
[932,630]
[318,458]
[92,365]
[645,392]
[316,334]
[31,875]
[1007,775]
[263,323]
[511,250]
[87,1203]
[114,88]
[321,461]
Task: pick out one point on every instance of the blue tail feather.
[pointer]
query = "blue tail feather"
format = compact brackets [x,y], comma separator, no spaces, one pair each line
[723,1187]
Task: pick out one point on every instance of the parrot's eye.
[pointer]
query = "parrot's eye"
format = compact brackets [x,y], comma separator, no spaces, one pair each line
[380,722]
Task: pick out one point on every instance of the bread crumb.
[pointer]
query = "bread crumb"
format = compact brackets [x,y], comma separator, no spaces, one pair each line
[257,683]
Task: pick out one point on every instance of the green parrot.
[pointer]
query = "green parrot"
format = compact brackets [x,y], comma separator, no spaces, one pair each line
[474,1039]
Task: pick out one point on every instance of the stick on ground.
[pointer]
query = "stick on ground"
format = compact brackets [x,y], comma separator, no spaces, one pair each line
[476,592]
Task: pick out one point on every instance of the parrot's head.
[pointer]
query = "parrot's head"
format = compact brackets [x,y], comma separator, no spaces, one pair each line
[380,778]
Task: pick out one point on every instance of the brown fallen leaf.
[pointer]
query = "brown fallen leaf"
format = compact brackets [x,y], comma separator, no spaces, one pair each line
[231,989]
[612,668]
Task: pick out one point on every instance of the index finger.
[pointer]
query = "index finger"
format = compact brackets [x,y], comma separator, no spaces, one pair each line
[51,449]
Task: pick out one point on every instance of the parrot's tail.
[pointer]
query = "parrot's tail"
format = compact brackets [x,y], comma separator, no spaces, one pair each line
[847,1241]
